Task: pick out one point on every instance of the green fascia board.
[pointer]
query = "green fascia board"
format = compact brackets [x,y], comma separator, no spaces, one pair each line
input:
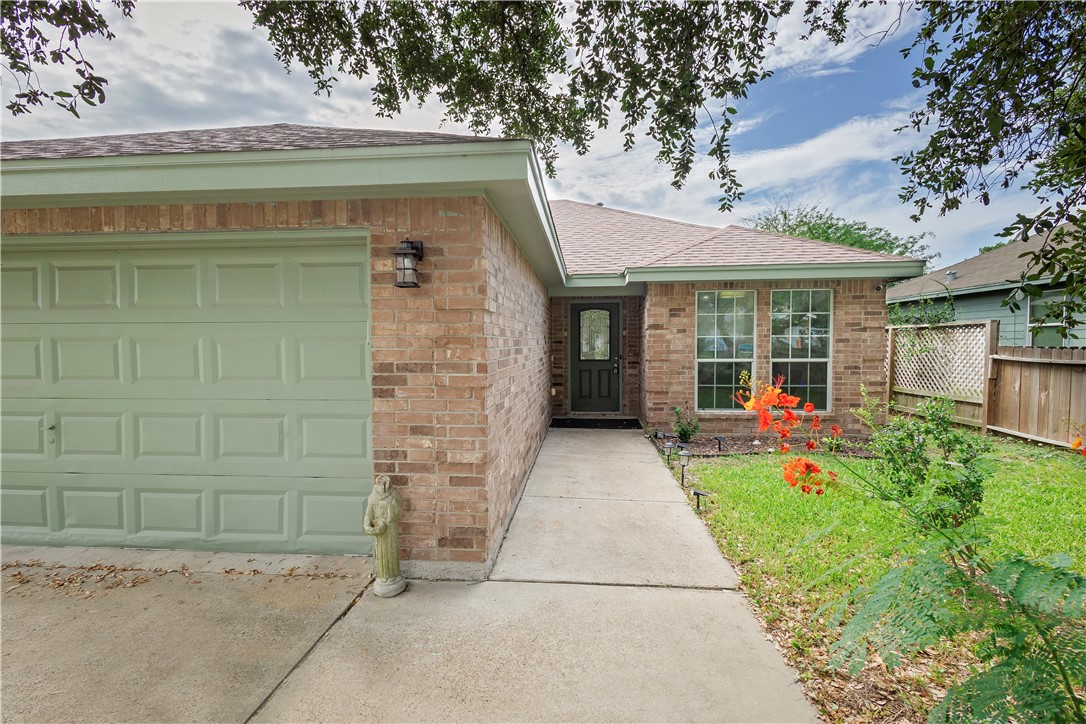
[608,283]
[634,289]
[505,173]
[766,272]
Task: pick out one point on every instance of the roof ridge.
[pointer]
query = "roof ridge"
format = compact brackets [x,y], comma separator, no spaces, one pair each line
[687,247]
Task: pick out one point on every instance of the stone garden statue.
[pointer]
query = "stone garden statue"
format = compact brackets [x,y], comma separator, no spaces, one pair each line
[381,521]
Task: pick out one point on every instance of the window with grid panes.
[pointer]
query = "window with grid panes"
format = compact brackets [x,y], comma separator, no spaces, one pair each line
[800,343]
[1047,334]
[725,346]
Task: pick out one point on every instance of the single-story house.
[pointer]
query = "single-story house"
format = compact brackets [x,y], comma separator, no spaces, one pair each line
[212,339]
[980,284]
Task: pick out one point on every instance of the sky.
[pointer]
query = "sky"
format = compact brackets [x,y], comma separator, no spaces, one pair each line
[820,131]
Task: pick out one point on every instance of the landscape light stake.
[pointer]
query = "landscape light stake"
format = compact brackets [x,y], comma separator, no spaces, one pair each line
[668,447]
[698,495]
[684,460]
[720,439]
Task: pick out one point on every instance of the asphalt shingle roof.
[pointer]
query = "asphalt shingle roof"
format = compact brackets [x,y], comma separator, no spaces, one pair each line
[276,137]
[599,240]
[995,267]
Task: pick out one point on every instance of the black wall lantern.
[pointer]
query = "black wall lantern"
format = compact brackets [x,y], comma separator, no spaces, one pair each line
[408,255]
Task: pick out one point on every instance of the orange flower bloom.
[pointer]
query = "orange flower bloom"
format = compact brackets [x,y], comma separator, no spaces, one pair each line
[811,444]
[764,420]
[835,430]
[785,447]
[809,407]
[788,401]
[1077,443]
[816,423]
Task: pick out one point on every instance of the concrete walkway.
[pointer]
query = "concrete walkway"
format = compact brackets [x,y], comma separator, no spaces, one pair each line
[609,601]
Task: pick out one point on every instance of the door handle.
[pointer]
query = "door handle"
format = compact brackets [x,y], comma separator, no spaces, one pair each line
[614,370]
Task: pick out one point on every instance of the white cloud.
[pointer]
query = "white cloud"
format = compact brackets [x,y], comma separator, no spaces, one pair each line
[815,55]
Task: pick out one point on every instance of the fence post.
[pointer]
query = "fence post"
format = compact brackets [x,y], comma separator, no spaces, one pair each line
[991,343]
[891,365]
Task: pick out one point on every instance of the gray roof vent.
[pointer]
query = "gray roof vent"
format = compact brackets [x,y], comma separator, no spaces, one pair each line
[951,275]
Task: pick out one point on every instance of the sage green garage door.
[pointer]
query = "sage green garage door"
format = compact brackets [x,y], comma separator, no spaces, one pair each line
[188,398]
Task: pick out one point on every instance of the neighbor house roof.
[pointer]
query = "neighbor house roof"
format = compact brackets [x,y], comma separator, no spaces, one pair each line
[276,137]
[993,270]
[600,240]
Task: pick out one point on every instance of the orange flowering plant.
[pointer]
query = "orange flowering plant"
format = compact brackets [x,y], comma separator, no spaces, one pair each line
[776,410]
[1079,431]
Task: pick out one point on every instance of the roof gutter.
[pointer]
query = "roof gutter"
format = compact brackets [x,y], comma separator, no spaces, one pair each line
[964,291]
[761,272]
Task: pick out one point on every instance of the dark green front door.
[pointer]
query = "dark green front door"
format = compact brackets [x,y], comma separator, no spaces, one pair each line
[595,345]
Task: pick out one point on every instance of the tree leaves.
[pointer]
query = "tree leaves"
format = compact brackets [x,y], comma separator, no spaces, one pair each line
[812,222]
[27,43]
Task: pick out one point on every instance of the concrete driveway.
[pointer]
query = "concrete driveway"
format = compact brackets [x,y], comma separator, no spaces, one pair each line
[124,635]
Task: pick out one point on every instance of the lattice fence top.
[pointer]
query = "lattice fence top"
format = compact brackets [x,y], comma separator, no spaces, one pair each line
[941,360]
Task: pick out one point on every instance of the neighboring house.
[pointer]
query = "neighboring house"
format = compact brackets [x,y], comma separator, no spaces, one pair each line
[204,345]
[980,284]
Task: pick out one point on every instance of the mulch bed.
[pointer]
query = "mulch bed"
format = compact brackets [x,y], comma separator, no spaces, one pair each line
[709,446]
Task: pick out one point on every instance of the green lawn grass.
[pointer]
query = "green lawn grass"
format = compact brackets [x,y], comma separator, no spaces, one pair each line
[796,552]
[1035,500]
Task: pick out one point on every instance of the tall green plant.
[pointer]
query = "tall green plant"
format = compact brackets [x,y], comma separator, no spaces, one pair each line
[1030,614]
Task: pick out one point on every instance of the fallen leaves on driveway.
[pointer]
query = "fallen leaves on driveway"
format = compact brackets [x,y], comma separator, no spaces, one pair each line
[82,581]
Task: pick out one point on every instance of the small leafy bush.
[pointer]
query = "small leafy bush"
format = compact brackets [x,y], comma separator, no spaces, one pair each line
[927,460]
[686,425]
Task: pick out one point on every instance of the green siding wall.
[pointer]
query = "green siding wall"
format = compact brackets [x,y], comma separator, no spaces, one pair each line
[989,305]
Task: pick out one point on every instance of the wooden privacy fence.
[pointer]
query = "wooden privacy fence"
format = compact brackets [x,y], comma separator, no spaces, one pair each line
[1028,392]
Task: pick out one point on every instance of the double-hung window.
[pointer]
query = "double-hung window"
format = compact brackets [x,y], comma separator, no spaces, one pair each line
[1048,333]
[800,343]
[725,346]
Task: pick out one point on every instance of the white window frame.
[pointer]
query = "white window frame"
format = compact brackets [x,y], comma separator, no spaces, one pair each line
[1031,327]
[829,347]
[734,360]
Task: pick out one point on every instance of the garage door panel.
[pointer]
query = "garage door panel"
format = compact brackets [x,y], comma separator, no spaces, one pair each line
[187,397]
[306,438]
[85,286]
[317,360]
[21,286]
[240,513]
[318,284]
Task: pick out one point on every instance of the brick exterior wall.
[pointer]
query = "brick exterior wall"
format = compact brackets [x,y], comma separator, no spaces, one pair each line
[517,399]
[459,367]
[858,355]
[632,310]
